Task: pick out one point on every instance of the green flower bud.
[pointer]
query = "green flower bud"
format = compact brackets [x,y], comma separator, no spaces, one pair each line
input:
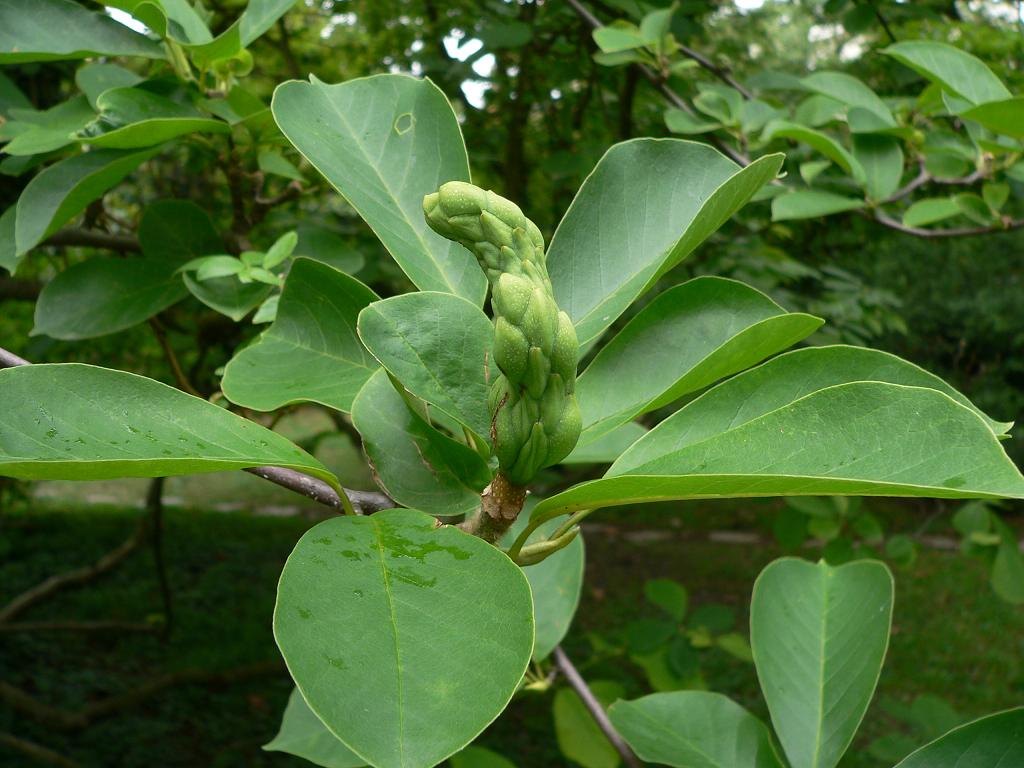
[534,415]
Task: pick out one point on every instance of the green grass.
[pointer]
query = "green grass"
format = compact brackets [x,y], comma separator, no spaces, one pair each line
[951,637]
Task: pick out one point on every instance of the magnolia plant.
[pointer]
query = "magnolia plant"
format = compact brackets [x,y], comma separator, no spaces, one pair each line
[407,631]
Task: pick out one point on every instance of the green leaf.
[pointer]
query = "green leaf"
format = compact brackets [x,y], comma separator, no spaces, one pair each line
[622,233]
[106,295]
[1008,567]
[8,258]
[311,353]
[478,757]
[303,735]
[823,143]
[811,204]
[131,118]
[323,245]
[619,36]
[96,77]
[973,207]
[995,741]
[882,160]
[929,211]
[384,142]
[438,345]
[79,422]
[1005,117]
[177,230]
[819,636]
[227,295]
[678,121]
[608,447]
[272,161]
[50,30]
[366,605]
[687,338]
[810,170]
[210,267]
[281,249]
[850,91]
[556,583]
[995,195]
[50,129]
[669,595]
[694,729]
[817,421]
[958,72]
[64,189]
[578,735]
[417,465]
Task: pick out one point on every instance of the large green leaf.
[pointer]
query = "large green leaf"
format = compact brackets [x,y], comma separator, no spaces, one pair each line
[49,130]
[416,464]
[820,421]
[48,30]
[96,77]
[438,345]
[79,422]
[384,142]
[383,627]
[106,295]
[622,232]
[64,189]
[311,352]
[819,636]
[694,729]
[177,230]
[556,583]
[811,204]
[687,338]
[133,117]
[995,741]
[850,91]
[958,72]
[1005,116]
[227,295]
[303,735]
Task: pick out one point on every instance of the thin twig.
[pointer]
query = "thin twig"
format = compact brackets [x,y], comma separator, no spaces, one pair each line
[578,684]
[719,72]
[172,359]
[78,626]
[937,234]
[73,578]
[35,751]
[90,238]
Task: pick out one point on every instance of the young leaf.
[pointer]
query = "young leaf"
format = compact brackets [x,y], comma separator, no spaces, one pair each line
[823,143]
[678,121]
[384,142]
[272,161]
[64,189]
[694,729]
[281,249]
[819,636]
[209,267]
[416,464]
[311,352]
[687,338]
[669,595]
[303,735]
[106,295]
[958,72]
[92,423]
[228,295]
[810,204]
[50,30]
[439,346]
[556,583]
[995,741]
[368,605]
[605,254]
[850,91]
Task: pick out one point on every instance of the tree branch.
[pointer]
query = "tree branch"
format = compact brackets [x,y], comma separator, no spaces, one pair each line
[719,72]
[35,751]
[937,234]
[90,238]
[578,684]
